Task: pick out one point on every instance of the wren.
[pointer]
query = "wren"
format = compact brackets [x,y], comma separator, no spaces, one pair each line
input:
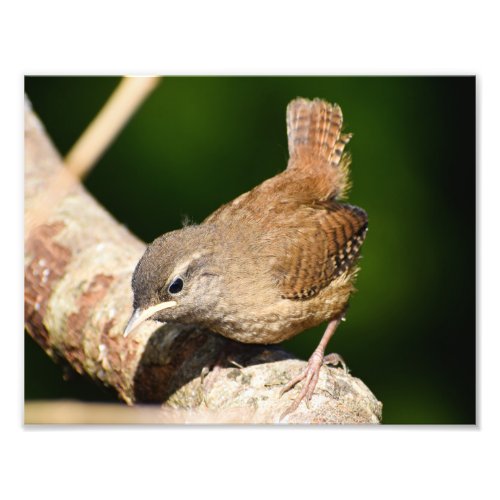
[275,261]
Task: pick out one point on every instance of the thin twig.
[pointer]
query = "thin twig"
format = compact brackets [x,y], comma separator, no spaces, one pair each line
[73,412]
[127,97]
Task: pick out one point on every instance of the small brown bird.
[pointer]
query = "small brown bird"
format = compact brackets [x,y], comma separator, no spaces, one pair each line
[277,260]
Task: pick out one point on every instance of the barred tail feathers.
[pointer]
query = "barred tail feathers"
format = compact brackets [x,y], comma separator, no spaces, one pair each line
[314,129]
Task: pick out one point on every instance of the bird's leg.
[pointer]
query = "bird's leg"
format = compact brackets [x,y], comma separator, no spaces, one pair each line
[209,373]
[311,373]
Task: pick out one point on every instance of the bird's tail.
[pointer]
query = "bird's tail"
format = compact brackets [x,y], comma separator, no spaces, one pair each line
[315,136]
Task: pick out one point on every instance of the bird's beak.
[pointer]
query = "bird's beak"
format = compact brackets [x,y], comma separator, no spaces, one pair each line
[141,315]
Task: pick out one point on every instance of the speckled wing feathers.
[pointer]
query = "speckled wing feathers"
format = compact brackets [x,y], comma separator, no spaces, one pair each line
[321,251]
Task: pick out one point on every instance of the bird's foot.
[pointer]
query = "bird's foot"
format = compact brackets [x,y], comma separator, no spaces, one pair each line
[207,380]
[310,375]
[210,373]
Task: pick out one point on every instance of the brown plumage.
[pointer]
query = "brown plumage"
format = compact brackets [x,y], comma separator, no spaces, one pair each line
[273,262]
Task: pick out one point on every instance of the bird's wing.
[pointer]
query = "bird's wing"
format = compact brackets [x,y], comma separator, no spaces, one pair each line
[314,253]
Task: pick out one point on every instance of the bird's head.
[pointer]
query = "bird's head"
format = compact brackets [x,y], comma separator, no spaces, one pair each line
[176,279]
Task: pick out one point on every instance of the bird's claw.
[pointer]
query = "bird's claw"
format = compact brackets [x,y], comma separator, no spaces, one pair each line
[310,375]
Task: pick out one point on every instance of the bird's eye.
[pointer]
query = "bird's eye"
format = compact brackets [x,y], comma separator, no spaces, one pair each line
[176,285]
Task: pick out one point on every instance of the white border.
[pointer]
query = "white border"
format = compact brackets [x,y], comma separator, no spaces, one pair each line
[56,37]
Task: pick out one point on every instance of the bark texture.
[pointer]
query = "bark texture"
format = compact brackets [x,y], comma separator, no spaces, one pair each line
[78,267]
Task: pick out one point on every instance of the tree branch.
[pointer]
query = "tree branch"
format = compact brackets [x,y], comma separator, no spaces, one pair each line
[78,266]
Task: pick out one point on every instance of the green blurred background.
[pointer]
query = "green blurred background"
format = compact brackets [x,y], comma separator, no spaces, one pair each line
[198,142]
